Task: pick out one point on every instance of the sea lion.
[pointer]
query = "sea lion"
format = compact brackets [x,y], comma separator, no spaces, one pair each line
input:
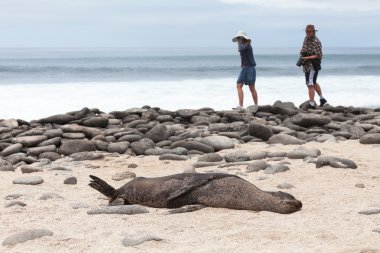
[207,189]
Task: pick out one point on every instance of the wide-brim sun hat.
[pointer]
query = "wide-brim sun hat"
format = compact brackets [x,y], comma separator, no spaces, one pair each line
[241,34]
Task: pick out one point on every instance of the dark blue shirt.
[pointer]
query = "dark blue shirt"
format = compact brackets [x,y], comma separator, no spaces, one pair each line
[246,55]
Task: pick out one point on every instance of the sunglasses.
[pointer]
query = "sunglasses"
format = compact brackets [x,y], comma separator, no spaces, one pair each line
[309,31]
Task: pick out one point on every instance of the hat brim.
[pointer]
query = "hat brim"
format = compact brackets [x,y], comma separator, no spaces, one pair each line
[234,39]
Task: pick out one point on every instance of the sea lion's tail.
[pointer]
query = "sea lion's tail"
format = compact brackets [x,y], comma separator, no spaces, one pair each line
[104,188]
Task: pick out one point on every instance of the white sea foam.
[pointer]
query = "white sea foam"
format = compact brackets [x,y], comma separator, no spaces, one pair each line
[33,101]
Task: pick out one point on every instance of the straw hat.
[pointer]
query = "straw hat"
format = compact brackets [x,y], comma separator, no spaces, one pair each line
[310,27]
[240,34]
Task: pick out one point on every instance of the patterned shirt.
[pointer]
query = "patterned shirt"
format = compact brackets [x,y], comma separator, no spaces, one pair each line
[311,46]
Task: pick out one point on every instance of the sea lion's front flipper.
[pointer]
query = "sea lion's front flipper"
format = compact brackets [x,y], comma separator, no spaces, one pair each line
[186,209]
[192,182]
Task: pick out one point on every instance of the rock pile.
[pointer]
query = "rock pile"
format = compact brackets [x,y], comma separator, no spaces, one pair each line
[175,134]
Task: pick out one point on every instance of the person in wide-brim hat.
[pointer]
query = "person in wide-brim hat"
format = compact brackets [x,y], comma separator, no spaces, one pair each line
[241,34]
[247,74]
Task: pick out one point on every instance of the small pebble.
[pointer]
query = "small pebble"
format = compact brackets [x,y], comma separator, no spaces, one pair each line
[70,180]
[15,203]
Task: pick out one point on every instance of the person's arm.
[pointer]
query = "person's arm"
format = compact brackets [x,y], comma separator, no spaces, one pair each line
[318,50]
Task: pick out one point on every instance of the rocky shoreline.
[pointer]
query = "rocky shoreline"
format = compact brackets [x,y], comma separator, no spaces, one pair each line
[178,134]
[256,143]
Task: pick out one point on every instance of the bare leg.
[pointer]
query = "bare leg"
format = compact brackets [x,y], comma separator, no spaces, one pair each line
[318,89]
[254,93]
[311,93]
[239,87]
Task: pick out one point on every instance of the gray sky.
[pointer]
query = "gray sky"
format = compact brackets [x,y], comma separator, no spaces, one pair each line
[196,23]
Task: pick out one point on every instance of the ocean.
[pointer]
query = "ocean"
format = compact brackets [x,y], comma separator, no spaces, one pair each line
[39,82]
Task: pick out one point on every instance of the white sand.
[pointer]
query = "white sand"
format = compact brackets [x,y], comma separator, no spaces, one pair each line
[328,222]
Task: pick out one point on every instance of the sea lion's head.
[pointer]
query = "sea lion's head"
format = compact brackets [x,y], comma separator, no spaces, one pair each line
[289,202]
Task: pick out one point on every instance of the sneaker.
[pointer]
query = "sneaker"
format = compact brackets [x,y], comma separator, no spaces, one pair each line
[238,108]
[323,101]
[311,107]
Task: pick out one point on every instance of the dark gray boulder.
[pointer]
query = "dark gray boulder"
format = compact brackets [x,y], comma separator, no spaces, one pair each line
[15,148]
[69,147]
[118,147]
[52,156]
[51,133]
[285,140]
[29,141]
[140,146]
[284,108]
[56,141]
[310,119]
[96,122]
[218,142]
[57,119]
[39,150]
[158,133]
[370,139]
[260,131]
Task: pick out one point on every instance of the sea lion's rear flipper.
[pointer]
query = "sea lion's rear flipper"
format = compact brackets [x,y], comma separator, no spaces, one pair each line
[191,183]
[186,209]
[104,188]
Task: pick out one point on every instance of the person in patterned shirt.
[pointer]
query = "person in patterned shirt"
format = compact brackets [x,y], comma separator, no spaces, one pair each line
[311,54]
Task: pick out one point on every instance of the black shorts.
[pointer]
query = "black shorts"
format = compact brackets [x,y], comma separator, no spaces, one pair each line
[311,77]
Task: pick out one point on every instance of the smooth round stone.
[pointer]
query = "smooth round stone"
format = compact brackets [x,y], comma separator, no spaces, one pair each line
[173,157]
[370,211]
[33,180]
[360,185]
[285,140]
[302,152]
[123,209]
[74,135]
[218,142]
[6,166]
[15,203]
[123,175]
[138,237]
[256,166]
[276,168]
[26,235]
[15,148]
[78,205]
[335,162]
[237,156]
[70,180]
[50,195]
[29,169]
[211,157]
[83,156]
[29,141]
[285,186]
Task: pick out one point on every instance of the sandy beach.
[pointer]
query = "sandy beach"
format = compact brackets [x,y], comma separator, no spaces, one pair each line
[328,222]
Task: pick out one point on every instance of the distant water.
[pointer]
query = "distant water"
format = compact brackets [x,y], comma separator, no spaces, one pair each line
[36,83]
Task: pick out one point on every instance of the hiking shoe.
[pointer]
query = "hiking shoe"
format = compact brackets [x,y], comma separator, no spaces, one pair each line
[311,107]
[238,108]
[323,101]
